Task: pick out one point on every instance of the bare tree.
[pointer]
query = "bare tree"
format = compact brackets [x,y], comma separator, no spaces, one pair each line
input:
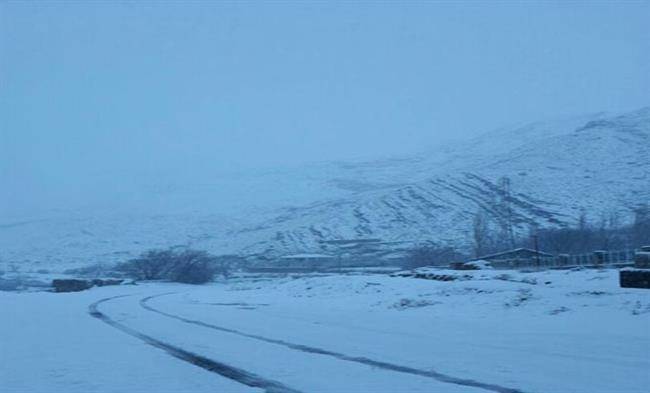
[606,234]
[583,222]
[151,265]
[507,215]
[640,230]
[180,265]
[481,233]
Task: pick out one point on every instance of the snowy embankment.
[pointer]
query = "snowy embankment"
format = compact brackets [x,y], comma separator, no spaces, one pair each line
[555,331]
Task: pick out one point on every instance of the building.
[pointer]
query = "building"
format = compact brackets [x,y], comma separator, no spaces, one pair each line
[514,255]
[307,261]
[294,263]
[367,252]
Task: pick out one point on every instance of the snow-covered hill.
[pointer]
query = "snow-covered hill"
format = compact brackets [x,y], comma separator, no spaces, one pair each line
[556,170]
[598,163]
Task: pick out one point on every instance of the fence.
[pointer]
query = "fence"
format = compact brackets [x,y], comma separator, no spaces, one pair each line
[617,258]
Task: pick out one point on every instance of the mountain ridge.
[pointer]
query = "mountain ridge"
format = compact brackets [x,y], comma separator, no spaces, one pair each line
[556,170]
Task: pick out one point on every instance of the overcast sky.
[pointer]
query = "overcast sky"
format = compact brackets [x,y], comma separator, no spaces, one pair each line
[103,87]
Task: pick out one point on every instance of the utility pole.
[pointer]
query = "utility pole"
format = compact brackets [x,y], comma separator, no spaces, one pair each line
[506,209]
[536,250]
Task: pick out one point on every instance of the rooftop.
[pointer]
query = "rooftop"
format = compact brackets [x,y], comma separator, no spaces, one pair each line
[306,256]
[503,253]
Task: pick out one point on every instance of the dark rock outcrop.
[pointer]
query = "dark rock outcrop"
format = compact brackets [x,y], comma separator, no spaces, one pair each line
[75,285]
[70,285]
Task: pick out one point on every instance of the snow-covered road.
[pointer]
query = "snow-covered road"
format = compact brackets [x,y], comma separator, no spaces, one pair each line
[328,371]
[213,366]
[538,332]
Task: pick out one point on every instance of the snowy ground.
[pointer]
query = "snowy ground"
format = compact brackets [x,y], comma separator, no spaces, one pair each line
[555,331]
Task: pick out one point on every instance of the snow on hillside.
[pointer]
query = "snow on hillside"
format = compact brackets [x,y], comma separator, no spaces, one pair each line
[601,167]
[598,163]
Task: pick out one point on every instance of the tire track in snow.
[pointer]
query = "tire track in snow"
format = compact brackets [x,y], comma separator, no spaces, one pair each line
[230,372]
[363,360]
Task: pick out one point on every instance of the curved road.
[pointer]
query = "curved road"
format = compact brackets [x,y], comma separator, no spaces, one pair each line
[222,369]
[235,344]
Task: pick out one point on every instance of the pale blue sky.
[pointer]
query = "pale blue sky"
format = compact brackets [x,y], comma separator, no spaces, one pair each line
[103,87]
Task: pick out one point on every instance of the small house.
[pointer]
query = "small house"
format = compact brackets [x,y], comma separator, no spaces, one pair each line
[517,253]
[307,261]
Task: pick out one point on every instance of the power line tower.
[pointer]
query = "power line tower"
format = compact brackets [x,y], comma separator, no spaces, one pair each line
[506,208]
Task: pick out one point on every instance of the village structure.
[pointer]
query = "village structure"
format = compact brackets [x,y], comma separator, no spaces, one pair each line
[371,253]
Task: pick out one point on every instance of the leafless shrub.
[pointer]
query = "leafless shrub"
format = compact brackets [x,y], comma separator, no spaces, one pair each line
[193,267]
[95,270]
[184,265]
